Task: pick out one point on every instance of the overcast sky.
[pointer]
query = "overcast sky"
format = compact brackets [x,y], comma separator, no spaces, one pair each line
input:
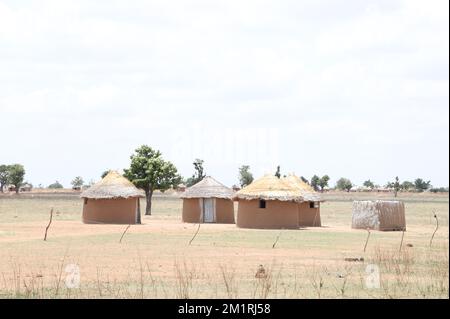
[356,89]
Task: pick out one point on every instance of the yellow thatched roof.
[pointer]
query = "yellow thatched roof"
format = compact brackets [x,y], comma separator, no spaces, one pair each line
[305,190]
[113,185]
[271,187]
[268,187]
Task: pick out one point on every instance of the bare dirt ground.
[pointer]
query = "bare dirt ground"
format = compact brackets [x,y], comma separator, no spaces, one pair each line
[155,259]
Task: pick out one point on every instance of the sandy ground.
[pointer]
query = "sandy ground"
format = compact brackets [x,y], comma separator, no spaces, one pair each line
[159,252]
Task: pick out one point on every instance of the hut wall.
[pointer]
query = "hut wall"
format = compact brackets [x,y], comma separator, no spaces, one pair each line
[192,211]
[365,215]
[110,211]
[307,216]
[276,215]
[224,211]
[379,215]
[392,215]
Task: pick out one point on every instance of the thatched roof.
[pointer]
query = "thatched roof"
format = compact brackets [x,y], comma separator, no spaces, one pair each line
[112,185]
[271,187]
[208,188]
[305,190]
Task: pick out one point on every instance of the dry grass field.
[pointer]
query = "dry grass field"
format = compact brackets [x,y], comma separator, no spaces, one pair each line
[155,260]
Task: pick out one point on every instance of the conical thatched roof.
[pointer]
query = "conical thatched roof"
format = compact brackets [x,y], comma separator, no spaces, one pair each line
[112,185]
[271,187]
[208,188]
[306,191]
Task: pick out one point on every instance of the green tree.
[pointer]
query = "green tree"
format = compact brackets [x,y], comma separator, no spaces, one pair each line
[16,175]
[323,182]
[4,176]
[245,177]
[407,185]
[55,185]
[421,185]
[344,184]
[199,173]
[395,185]
[369,184]
[315,181]
[278,172]
[150,172]
[77,182]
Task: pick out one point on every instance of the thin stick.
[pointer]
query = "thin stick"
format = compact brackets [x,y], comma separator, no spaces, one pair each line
[49,223]
[437,227]
[128,227]
[367,241]
[401,244]
[196,233]
[276,241]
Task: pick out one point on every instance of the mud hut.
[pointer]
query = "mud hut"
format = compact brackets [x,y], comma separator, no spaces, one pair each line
[309,206]
[113,200]
[269,203]
[379,215]
[208,202]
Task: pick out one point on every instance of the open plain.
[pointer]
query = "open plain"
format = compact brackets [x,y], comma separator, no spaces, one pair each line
[156,259]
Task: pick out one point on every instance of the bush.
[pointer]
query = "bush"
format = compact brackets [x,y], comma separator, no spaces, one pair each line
[55,185]
[344,184]
[439,190]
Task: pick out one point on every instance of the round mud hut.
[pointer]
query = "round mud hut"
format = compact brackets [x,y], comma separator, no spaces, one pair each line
[309,207]
[379,215]
[208,202]
[113,200]
[274,203]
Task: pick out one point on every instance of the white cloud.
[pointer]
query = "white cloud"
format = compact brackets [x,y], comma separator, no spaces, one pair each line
[345,88]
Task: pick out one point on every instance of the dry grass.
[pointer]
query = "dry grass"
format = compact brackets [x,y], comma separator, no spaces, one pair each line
[155,261]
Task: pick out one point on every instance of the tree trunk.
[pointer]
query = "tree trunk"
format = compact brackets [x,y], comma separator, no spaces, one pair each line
[17,189]
[148,207]
[138,219]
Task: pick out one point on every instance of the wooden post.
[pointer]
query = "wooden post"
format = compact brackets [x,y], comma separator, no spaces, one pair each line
[195,235]
[367,241]
[437,227]
[120,241]
[49,223]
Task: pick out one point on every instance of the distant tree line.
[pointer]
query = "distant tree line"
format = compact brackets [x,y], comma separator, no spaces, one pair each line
[149,171]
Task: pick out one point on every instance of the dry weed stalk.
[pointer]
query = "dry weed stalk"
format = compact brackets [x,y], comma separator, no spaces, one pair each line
[229,281]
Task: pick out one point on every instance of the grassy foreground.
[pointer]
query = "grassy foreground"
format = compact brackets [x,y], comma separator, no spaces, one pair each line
[155,260]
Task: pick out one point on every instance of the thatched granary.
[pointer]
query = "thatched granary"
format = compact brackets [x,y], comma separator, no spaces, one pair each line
[273,203]
[113,200]
[208,202]
[379,215]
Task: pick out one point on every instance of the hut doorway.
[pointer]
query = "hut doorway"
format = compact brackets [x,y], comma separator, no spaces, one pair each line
[209,210]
